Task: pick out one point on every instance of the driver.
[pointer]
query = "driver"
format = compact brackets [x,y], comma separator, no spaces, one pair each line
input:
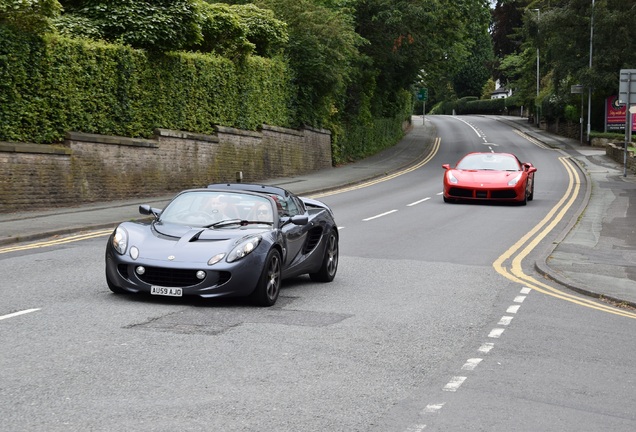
[217,207]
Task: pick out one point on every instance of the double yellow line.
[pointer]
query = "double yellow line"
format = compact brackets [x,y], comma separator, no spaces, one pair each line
[56,241]
[427,159]
[515,254]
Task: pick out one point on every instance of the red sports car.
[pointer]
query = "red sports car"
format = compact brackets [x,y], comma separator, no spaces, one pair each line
[489,177]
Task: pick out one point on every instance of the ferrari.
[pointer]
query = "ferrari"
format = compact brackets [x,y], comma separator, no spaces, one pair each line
[224,240]
[489,177]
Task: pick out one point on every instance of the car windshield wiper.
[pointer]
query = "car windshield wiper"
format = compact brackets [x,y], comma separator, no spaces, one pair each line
[241,222]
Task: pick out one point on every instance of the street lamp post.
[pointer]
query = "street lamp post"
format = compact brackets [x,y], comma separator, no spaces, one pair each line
[589,90]
[537,106]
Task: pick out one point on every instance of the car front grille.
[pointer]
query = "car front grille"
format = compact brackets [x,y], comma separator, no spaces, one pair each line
[482,193]
[167,277]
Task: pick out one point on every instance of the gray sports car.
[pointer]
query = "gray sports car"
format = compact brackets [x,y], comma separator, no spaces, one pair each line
[224,240]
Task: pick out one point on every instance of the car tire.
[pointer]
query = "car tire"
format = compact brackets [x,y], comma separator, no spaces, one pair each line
[329,265]
[531,196]
[268,285]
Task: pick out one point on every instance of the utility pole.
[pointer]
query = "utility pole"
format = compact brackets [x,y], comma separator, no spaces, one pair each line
[589,90]
[537,106]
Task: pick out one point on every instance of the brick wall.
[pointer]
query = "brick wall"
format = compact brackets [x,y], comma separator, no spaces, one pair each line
[89,168]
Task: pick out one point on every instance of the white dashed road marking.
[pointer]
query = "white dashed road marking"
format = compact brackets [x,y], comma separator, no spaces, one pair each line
[15,314]
[496,332]
[505,320]
[379,216]
[513,309]
[454,383]
[485,348]
[471,364]
[418,202]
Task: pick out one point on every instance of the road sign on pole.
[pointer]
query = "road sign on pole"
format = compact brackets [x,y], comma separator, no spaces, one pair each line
[627,94]
[422,95]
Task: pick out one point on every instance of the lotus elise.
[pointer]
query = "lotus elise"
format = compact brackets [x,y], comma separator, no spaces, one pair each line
[224,240]
[489,177]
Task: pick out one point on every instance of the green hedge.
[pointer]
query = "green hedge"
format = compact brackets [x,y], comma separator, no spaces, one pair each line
[359,138]
[50,85]
[472,105]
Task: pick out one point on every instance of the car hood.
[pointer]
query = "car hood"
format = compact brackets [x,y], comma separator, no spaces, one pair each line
[485,177]
[158,241]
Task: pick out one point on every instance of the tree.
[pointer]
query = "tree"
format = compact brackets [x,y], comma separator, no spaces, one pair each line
[410,36]
[322,52]
[475,71]
[564,38]
[507,18]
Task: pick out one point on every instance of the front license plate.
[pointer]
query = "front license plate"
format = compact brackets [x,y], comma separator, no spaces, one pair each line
[165,291]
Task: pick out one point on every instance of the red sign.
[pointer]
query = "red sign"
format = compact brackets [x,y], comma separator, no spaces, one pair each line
[616,115]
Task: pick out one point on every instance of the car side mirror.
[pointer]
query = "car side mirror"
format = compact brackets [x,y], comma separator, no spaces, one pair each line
[146,210]
[296,220]
[446,166]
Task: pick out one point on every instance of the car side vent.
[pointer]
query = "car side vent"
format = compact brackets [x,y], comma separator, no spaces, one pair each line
[313,238]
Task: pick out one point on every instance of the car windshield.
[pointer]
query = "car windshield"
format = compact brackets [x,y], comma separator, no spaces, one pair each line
[489,161]
[218,209]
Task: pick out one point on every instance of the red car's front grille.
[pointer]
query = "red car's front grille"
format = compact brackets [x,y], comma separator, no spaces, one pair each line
[482,193]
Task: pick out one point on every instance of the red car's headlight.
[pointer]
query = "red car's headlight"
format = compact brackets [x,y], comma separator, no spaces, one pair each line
[451,178]
[515,180]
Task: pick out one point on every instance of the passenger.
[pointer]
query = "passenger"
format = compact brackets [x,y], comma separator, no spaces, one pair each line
[263,213]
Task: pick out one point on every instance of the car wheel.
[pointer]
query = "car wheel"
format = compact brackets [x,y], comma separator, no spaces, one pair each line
[329,261]
[114,288]
[268,286]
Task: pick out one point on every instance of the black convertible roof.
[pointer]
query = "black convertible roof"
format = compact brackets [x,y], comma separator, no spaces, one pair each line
[250,188]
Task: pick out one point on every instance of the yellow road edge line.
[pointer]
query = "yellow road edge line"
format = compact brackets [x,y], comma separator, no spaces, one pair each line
[516,273]
[57,241]
[420,164]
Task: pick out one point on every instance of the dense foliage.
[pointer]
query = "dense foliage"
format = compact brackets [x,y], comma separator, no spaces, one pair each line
[351,66]
[52,85]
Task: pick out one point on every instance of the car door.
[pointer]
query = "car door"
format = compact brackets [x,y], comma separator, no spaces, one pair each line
[295,235]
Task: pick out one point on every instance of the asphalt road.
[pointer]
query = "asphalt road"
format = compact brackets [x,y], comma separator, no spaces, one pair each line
[432,323]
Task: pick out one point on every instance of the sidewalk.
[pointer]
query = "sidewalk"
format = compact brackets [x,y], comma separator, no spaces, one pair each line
[596,255]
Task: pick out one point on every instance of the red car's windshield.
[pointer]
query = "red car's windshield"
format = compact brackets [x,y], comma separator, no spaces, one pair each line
[489,161]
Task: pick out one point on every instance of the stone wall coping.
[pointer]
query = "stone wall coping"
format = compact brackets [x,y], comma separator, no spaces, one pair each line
[171,133]
[241,132]
[317,130]
[110,139]
[8,147]
[282,130]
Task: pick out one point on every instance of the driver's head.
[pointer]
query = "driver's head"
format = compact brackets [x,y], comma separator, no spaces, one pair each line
[264,213]
[215,204]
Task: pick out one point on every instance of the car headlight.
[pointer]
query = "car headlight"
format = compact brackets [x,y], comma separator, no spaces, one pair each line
[243,249]
[120,240]
[515,180]
[451,178]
